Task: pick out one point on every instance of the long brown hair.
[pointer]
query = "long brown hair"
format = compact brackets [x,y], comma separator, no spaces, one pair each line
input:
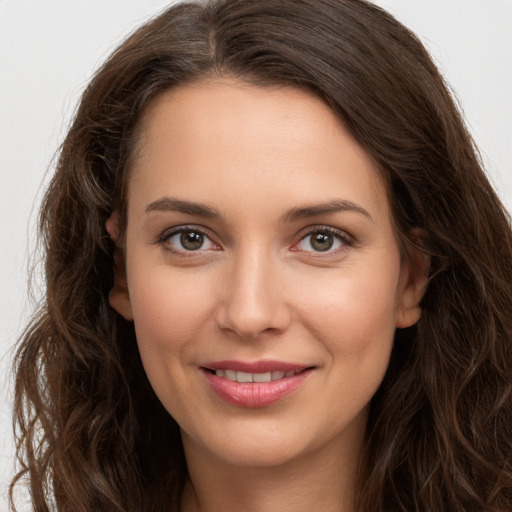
[91,434]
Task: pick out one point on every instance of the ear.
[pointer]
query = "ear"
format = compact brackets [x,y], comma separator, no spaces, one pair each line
[119,296]
[413,284]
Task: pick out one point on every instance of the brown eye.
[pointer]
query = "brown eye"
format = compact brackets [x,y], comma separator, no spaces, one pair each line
[322,241]
[191,240]
[184,240]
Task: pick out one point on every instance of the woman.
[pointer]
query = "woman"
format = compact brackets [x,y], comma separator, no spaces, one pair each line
[278,278]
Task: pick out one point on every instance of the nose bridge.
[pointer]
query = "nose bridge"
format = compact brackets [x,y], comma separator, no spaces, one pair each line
[253,301]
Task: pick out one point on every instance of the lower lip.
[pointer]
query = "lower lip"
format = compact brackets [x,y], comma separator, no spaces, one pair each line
[255,394]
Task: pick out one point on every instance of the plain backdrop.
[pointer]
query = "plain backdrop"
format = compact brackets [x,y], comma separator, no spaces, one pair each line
[50,48]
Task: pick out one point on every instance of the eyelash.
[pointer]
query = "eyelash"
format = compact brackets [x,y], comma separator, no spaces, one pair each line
[167,235]
[344,238]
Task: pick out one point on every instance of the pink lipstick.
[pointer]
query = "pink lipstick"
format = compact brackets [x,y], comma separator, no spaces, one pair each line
[254,384]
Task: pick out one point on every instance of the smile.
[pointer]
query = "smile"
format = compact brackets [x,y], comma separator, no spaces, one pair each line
[235,376]
[254,385]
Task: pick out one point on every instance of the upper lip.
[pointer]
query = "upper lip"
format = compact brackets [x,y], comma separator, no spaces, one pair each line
[262,366]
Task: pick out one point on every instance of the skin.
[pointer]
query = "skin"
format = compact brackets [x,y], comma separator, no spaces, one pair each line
[258,289]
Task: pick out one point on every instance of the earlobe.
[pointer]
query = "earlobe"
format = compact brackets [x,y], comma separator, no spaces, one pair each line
[121,304]
[412,287]
[119,296]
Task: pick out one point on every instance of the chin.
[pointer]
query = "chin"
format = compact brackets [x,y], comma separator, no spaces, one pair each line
[265,456]
[265,447]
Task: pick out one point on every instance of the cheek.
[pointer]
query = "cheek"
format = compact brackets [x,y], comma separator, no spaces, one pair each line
[169,308]
[171,311]
[354,315]
[354,324]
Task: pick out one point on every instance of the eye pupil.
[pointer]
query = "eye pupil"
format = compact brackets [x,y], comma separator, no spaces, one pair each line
[322,241]
[191,240]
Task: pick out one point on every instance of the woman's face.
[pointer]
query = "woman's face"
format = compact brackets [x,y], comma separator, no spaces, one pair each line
[264,277]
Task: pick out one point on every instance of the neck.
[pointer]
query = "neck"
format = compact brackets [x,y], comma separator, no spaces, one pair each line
[322,480]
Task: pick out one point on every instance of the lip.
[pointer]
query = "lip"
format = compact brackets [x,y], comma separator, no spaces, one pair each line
[256,394]
[265,365]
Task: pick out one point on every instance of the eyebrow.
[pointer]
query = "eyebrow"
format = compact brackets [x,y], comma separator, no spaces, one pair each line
[329,207]
[171,204]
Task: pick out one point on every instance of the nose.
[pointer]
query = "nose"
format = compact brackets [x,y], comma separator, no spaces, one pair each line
[253,300]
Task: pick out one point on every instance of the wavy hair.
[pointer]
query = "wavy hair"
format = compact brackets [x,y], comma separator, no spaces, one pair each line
[91,434]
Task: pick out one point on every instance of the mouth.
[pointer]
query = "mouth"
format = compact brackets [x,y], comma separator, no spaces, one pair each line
[239,376]
[257,384]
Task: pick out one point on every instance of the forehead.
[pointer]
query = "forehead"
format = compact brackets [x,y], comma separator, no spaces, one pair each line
[207,139]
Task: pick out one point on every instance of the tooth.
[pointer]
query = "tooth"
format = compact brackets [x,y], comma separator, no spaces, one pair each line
[262,377]
[253,377]
[230,375]
[243,377]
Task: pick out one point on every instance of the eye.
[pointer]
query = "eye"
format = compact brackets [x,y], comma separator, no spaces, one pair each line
[323,240]
[187,239]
